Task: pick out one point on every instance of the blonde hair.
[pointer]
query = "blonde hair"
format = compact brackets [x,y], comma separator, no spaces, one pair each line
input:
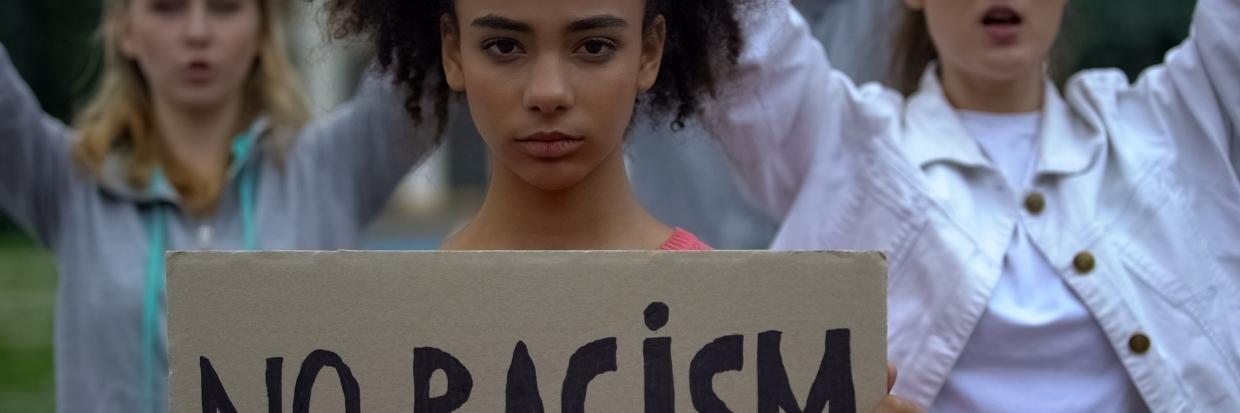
[120,113]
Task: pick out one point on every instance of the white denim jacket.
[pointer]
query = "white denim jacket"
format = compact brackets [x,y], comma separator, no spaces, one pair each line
[1139,187]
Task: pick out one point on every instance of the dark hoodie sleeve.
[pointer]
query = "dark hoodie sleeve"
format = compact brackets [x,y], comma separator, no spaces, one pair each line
[356,156]
[35,158]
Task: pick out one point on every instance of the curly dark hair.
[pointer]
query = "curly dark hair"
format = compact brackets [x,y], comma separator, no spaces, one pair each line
[703,44]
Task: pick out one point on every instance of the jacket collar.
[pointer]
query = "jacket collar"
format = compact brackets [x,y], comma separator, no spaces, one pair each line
[113,175]
[935,133]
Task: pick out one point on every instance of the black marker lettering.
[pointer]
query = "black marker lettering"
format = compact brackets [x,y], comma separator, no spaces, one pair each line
[660,388]
[521,393]
[425,361]
[275,384]
[724,354]
[656,315]
[309,373]
[657,357]
[833,383]
[214,398]
[587,362]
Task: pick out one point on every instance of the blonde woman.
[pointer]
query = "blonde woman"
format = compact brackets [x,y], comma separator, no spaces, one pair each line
[196,139]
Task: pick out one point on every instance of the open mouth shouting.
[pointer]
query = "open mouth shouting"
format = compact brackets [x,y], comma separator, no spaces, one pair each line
[1002,24]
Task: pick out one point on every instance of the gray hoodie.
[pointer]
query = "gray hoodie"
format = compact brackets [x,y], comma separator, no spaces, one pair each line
[316,190]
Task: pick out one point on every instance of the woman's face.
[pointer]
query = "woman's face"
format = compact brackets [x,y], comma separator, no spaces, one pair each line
[993,40]
[193,53]
[551,84]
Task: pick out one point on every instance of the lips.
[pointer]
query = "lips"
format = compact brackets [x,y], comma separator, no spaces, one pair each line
[550,145]
[1001,16]
[198,72]
[1002,25]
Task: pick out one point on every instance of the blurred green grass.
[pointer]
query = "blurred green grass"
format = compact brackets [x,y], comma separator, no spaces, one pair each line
[27,296]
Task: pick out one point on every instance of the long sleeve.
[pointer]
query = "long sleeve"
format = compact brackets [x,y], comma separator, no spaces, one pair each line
[1195,93]
[1190,105]
[785,108]
[36,162]
[359,153]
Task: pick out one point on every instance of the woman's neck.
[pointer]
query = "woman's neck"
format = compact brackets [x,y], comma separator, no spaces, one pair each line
[599,213]
[1020,94]
[199,139]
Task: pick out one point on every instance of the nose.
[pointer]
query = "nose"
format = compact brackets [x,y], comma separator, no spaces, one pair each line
[548,90]
[197,30]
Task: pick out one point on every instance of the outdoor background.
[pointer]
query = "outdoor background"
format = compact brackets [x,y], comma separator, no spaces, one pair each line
[51,43]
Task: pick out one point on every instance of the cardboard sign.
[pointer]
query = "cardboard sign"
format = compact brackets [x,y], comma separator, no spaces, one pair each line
[526,332]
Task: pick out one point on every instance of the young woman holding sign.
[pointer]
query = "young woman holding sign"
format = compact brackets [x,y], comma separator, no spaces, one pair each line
[1048,252]
[552,86]
[196,139]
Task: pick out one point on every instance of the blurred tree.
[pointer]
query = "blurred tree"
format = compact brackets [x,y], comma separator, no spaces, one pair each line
[52,44]
[1130,35]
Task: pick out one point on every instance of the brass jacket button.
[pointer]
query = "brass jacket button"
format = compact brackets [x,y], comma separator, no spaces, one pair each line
[1035,203]
[1139,343]
[1084,262]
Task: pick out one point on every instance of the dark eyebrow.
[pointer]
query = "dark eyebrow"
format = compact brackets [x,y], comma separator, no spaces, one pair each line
[596,22]
[492,21]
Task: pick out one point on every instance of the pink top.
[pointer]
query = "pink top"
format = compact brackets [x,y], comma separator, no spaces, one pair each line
[682,240]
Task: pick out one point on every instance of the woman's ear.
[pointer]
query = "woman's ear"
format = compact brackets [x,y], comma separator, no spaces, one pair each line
[653,43]
[124,37]
[450,46]
[916,5]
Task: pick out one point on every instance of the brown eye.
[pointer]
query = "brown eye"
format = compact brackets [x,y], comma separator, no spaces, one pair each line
[502,48]
[596,48]
[505,47]
[167,6]
[224,6]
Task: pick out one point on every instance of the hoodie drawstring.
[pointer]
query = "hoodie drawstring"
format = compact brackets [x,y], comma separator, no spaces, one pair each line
[152,345]
[153,342]
[242,149]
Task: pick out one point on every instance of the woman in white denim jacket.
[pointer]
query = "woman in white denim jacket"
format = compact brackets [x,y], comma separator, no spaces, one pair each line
[1104,277]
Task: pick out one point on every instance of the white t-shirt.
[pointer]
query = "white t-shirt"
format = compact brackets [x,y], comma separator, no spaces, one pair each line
[1036,348]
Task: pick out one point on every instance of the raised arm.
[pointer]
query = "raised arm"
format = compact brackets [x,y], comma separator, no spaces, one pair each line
[1195,93]
[36,164]
[363,149]
[785,107]
[1193,101]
